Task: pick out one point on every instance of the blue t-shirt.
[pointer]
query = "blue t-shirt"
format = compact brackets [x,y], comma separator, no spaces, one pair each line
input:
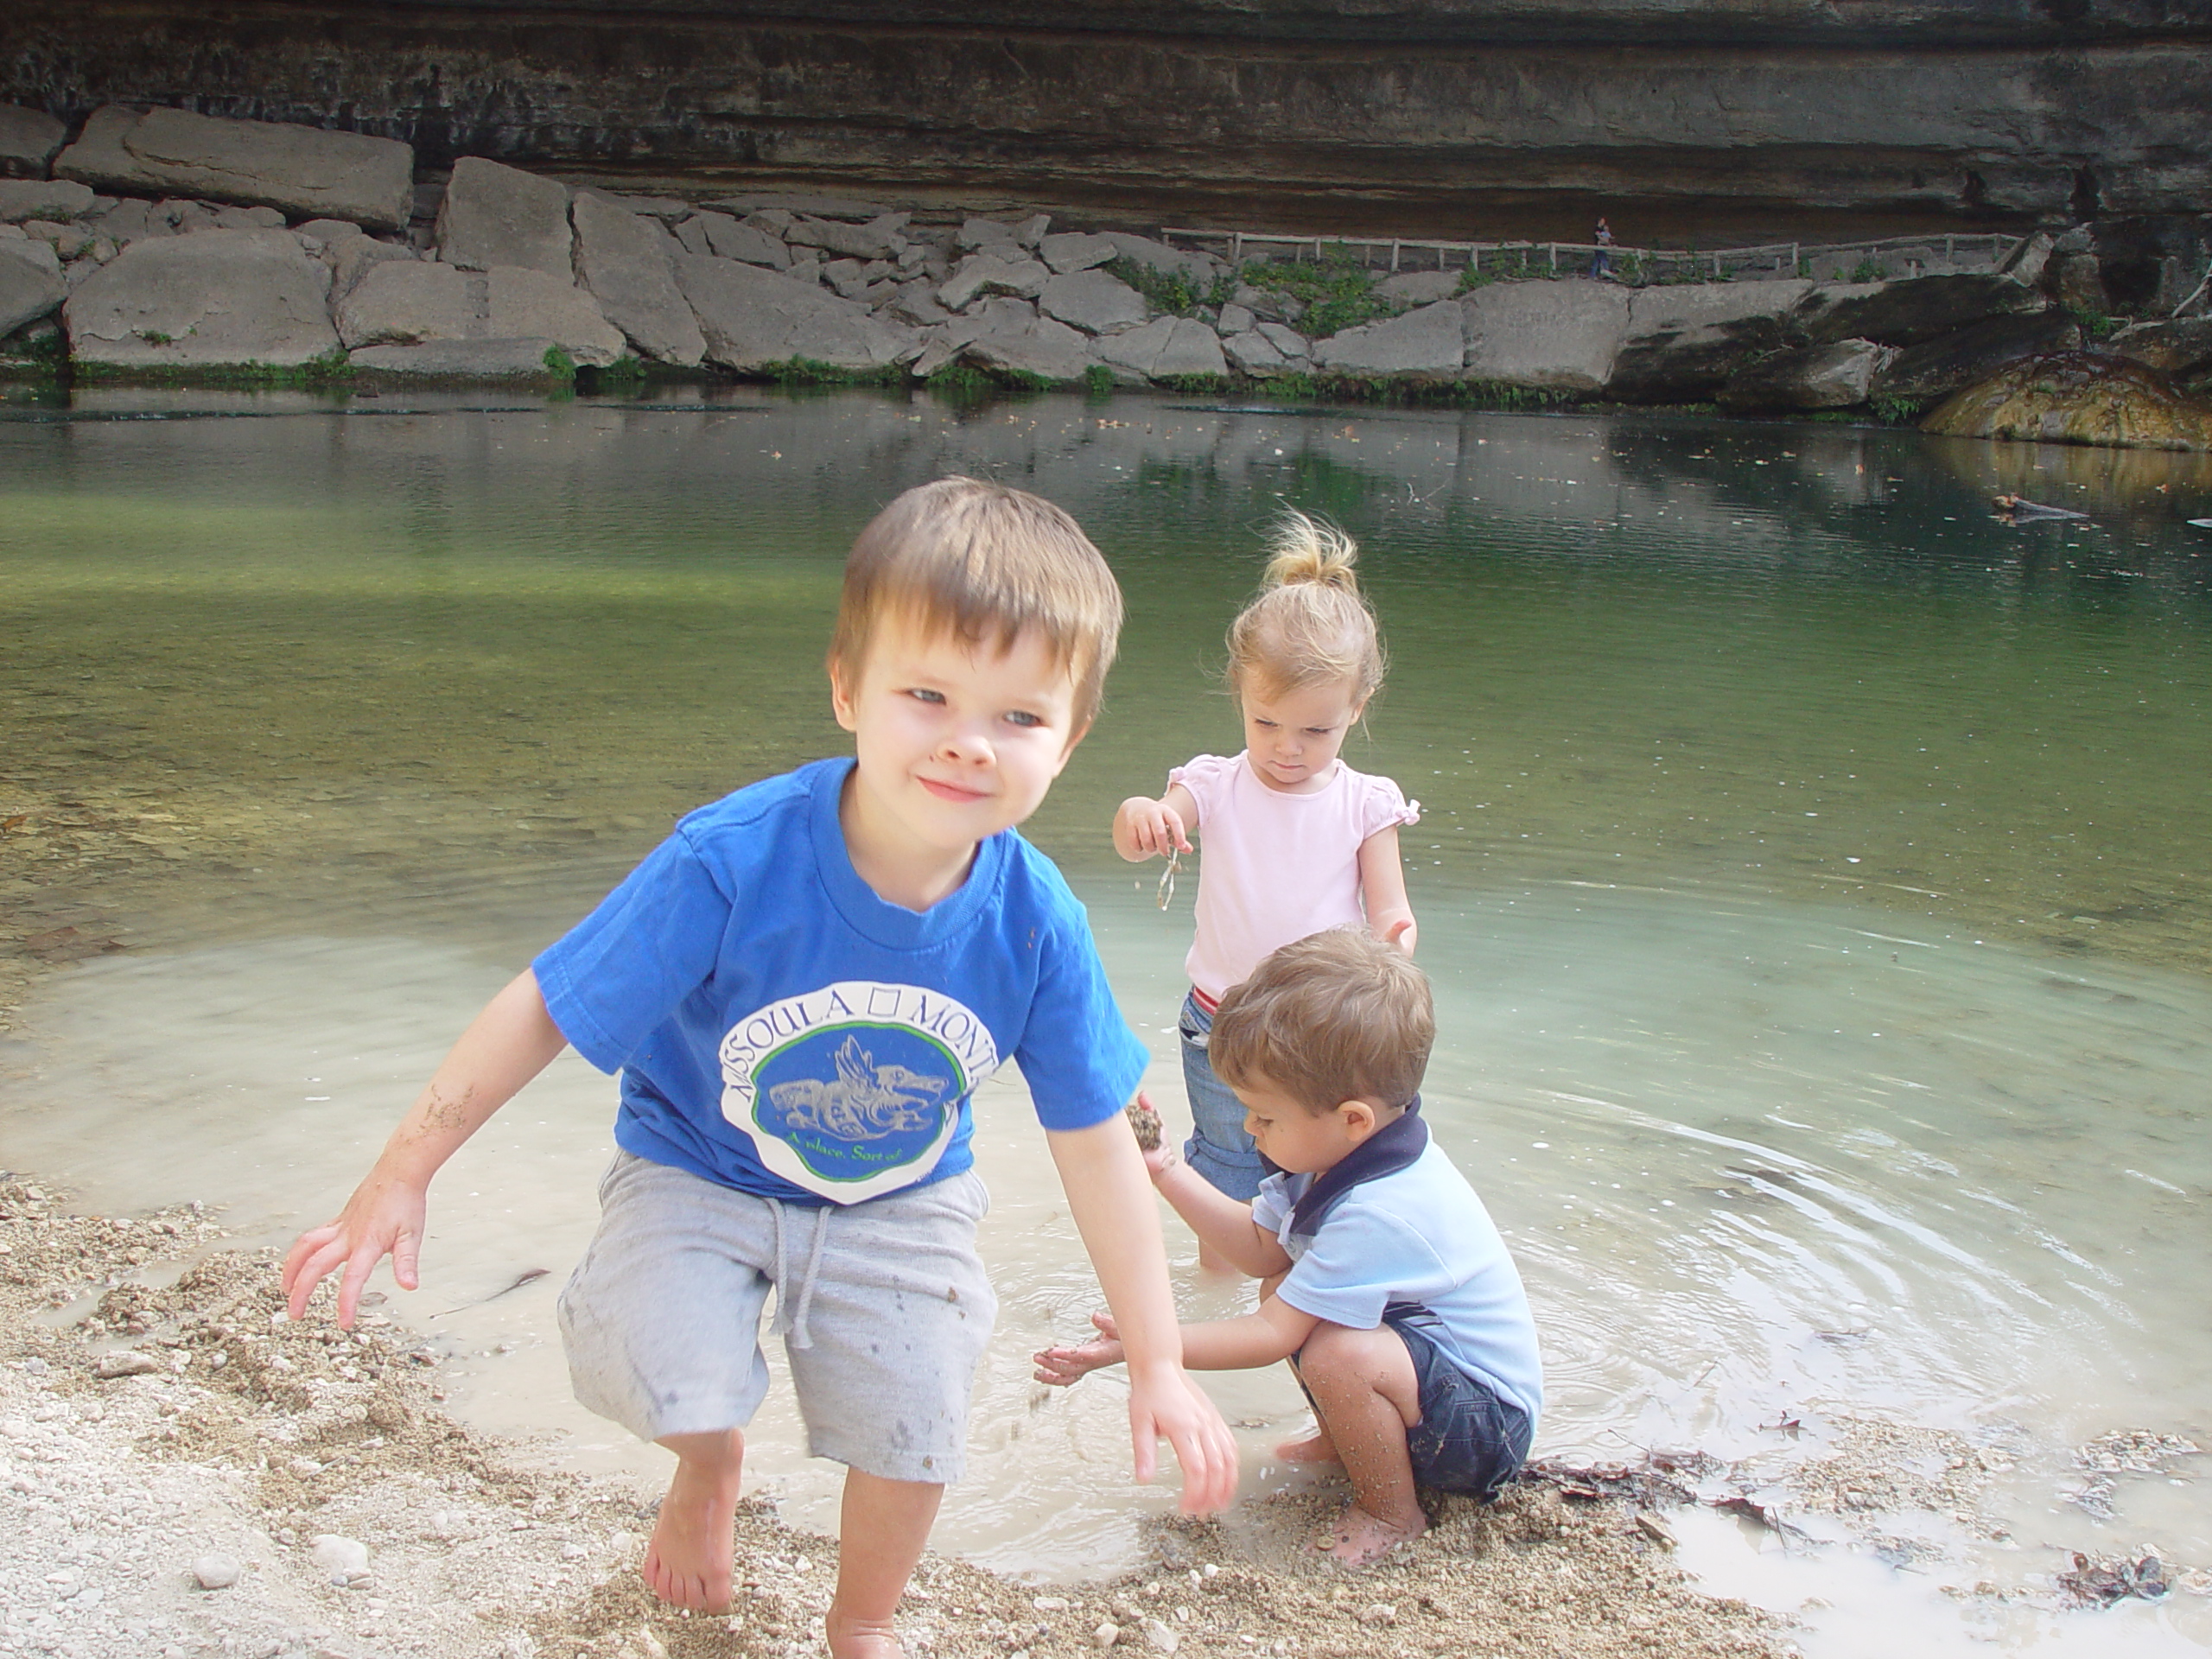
[781,1029]
[1419,1235]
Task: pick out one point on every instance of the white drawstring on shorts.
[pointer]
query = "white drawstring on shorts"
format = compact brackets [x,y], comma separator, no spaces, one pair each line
[790,1320]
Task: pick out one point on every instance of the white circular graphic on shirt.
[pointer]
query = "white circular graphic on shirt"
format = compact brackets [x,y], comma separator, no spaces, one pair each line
[854,1090]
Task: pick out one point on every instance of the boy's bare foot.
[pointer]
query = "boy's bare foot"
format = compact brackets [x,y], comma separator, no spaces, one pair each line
[1360,1540]
[860,1638]
[688,1562]
[1317,1447]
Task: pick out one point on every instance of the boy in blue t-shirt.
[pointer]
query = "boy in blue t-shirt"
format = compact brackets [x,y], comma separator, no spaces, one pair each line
[1383,1281]
[802,987]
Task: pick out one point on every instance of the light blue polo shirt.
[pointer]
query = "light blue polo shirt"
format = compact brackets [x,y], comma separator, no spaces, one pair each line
[1419,1235]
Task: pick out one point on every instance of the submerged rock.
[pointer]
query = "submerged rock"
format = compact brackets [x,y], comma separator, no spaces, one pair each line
[460,359]
[218,299]
[2077,398]
[303,170]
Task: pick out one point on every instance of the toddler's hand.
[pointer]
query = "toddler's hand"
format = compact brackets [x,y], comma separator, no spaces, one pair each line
[1062,1366]
[1151,829]
[1401,935]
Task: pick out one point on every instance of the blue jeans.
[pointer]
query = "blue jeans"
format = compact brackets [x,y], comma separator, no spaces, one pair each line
[1469,1440]
[1218,1147]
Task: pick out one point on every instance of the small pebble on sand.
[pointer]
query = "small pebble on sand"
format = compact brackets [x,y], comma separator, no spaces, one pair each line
[340,1557]
[215,1572]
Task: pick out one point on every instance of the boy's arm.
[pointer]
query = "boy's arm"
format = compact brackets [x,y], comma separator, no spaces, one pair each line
[1383,890]
[1103,1175]
[1144,828]
[507,1044]
[1276,1332]
[1224,1223]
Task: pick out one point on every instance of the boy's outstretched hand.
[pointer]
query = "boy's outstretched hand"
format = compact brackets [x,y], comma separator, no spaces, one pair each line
[1062,1366]
[384,1216]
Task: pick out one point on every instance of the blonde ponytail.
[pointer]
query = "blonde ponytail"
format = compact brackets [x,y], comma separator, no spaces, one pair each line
[1309,625]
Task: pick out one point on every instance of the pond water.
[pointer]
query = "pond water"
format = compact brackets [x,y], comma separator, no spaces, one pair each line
[1813,874]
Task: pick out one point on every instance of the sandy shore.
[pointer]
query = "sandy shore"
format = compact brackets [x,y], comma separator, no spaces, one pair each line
[160,1422]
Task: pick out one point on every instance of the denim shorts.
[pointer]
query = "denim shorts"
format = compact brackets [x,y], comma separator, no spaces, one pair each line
[1218,1147]
[1469,1440]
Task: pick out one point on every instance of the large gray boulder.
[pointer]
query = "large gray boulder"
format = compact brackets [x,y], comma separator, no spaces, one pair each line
[1909,312]
[48,198]
[993,273]
[623,259]
[882,238]
[520,303]
[303,170]
[1418,287]
[1835,376]
[1093,302]
[405,301]
[1937,368]
[498,215]
[30,282]
[1073,250]
[1157,256]
[1562,336]
[728,239]
[1682,343]
[1164,348]
[754,318]
[460,359]
[27,141]
[351,258]
[216,299]
[1431,340]
[1253,354]
[1015,340]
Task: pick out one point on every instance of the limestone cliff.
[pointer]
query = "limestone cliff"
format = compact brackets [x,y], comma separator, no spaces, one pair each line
[1503,117]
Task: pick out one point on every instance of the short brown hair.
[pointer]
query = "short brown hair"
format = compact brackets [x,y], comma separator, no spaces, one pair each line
[1334,1017]
[983,561]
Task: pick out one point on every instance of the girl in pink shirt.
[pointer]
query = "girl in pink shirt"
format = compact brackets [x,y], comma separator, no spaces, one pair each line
[1296,841]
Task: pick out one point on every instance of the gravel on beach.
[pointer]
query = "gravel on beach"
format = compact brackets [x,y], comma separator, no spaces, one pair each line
[187,1472]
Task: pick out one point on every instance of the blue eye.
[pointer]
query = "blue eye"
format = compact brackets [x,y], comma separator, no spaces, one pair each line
[923,694]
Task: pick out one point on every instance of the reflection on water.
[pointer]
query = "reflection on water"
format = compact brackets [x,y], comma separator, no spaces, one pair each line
[1813,874]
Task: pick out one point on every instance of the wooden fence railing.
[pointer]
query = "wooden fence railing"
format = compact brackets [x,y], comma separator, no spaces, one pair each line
[1895,256]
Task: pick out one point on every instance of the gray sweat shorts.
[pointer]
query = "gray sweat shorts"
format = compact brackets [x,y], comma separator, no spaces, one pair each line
[883,1308]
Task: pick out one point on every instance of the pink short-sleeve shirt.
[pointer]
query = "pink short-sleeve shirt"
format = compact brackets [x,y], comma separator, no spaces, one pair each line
[1276,867]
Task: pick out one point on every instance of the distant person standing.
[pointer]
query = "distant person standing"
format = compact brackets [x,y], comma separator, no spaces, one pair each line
[1601,260]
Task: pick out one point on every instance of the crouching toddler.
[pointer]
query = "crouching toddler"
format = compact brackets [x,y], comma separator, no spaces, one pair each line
[1382,1280]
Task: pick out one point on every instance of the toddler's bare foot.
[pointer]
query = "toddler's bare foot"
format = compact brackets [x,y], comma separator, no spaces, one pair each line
[1315,1448]
[688,1562]
[1362,1540]
[860,1638]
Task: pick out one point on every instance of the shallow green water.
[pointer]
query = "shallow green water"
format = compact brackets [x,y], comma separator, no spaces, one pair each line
[1815,871]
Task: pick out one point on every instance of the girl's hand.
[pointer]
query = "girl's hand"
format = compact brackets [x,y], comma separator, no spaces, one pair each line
[1144,828]
[1062,1366]
[1401,934]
